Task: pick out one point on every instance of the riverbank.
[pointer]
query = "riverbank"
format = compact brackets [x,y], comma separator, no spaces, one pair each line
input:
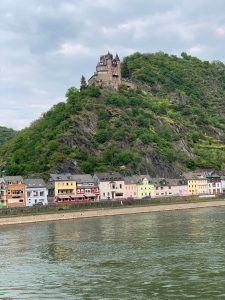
[107,212]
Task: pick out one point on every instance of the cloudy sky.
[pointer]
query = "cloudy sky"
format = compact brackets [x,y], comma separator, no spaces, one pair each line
[46,45]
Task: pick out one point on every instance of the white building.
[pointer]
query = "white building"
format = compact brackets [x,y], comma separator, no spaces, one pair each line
[214,183]
[223,184]
[111,186]
[36,192]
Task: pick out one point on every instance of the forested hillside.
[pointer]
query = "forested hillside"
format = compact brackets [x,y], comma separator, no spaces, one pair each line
[174,121]
[5,134]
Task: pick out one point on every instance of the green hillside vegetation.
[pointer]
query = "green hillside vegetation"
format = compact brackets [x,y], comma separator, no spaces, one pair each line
[5,134]
[174,121]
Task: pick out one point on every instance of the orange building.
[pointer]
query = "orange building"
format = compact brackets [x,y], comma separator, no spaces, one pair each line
[13,191]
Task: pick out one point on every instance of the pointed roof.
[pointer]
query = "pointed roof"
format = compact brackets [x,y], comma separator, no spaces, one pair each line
[117,57]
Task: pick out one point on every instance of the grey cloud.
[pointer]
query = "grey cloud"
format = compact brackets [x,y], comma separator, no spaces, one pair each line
[45,45]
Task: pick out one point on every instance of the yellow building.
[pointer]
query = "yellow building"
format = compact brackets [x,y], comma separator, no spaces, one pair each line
[64,184]
[144,187]
[197,184]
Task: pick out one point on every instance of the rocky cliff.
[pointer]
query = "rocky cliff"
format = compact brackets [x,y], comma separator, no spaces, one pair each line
[173,122]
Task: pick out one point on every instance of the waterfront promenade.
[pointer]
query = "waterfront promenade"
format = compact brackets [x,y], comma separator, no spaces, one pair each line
[107,212]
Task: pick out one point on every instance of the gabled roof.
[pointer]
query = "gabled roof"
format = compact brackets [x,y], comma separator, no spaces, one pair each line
[84,178]
[211,174]
[169,182]
[13,179]
[61,177]
[34,183]
[79,178]
[109,176]
[201,175]
[136,179]
[193,175]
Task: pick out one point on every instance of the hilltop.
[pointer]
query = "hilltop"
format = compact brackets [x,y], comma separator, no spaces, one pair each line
[172,122]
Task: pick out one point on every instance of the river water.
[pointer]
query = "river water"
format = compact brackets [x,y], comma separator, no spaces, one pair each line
[165,255]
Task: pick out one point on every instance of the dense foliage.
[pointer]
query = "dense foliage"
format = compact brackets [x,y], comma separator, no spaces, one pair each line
[5,134]
[174,120]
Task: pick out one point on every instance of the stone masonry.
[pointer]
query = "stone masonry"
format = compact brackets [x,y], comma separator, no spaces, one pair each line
[108,73]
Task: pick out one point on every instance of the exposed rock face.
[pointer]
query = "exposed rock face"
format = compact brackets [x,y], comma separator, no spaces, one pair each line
[173,121]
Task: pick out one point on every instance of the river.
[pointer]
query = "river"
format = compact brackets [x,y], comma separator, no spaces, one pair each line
[165,255]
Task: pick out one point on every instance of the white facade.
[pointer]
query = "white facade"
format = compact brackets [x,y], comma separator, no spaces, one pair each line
[36,192]
[110,190]
[36,196]
[215,188]
[223,184]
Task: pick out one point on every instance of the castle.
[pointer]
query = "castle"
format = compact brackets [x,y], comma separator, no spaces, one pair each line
[108,73]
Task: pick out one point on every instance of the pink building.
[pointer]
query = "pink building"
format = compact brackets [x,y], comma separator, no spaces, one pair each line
[170,187]
[131,188]
[87,185]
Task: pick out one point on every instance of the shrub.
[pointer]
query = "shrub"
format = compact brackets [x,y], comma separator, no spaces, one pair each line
[102,136]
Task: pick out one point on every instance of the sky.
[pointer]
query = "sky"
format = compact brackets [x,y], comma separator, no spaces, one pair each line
[46,45]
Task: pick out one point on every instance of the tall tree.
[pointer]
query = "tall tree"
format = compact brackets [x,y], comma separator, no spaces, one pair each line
[125,70]
[83,82]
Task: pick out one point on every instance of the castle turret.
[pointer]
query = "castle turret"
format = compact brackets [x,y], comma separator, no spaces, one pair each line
[117,57]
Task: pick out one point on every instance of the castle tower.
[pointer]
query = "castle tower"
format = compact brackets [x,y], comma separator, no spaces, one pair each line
[108,72]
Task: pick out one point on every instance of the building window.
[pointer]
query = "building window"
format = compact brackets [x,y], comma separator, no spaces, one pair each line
[16,192]
[42,193]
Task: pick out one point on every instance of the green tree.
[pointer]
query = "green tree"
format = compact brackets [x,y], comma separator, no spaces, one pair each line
[83,82]
[125,72]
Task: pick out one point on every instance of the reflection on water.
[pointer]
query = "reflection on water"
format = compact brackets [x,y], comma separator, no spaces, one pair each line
[167,255]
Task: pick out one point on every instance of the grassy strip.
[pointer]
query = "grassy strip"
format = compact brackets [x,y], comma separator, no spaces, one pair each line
[15,212]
